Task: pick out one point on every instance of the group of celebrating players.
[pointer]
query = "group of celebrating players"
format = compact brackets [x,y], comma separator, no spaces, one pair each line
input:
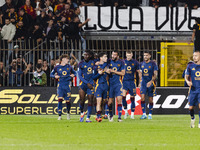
[103,80]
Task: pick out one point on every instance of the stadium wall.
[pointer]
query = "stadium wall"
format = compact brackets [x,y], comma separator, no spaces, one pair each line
[43,101]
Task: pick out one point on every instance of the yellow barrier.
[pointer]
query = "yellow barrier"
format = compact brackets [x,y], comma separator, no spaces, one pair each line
[174,59]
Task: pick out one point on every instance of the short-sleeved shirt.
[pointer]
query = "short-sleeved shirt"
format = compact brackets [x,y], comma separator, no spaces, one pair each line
[193,70]
[118,66]
[147,71]
[130,68]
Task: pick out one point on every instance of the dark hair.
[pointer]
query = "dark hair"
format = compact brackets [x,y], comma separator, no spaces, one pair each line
[90,53]
[39,66]
[129,52]
[22,9]
[7,18]
[64,56]
[116,51]
[147,52]
[197,19]
[76,8]
[102,54]
[75,16]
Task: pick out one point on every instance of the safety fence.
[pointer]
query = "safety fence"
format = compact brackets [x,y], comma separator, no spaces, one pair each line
[19,58]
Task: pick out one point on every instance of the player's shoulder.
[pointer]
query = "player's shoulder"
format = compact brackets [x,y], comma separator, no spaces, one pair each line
[125,60]
[92,62]
[153,63]
[191,64]
[121,61]
[134,60]
[56,67]
[81,63]
[142,63]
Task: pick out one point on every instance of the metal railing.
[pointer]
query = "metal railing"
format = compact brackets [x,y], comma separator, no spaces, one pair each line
[28,53]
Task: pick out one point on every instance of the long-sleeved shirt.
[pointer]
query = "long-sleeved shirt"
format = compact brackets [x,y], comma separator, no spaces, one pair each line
[8,32]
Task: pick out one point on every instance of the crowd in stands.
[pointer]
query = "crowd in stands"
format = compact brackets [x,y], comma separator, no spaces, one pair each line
[21,73]
[50,20]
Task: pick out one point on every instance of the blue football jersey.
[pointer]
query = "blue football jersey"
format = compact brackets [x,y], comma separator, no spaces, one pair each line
[64,73]
[118,66]
[85,71]
[147,71]
[101,78]
[130,68]
[194,71]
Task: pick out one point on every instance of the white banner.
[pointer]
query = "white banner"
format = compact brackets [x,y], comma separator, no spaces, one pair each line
[139,18]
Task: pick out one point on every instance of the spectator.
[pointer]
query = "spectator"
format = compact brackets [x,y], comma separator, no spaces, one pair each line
[50,15]
[125,3]
[13,14]
[28,73]
[99,2]
[2,74]
[39,77]
[6,7]
[12,73]
[20,31]
[40,61]
[50,31]
[58,16]
[39,6]
[111,3]
[48,6]
[52,64]
[46,69]
[21,65]
[1,20]
[192,4]
[42,19]
[196,35]
[26,18]
[37,33]
[59,6]
[154,3]
[59,28]
[29,9]
[8,31]
[67,12]
[74,30]
[72,4]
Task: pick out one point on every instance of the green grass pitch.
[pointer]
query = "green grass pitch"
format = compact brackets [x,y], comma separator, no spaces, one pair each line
[45,132]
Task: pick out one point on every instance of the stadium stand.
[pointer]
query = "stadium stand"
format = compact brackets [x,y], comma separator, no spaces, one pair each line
[45,29]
